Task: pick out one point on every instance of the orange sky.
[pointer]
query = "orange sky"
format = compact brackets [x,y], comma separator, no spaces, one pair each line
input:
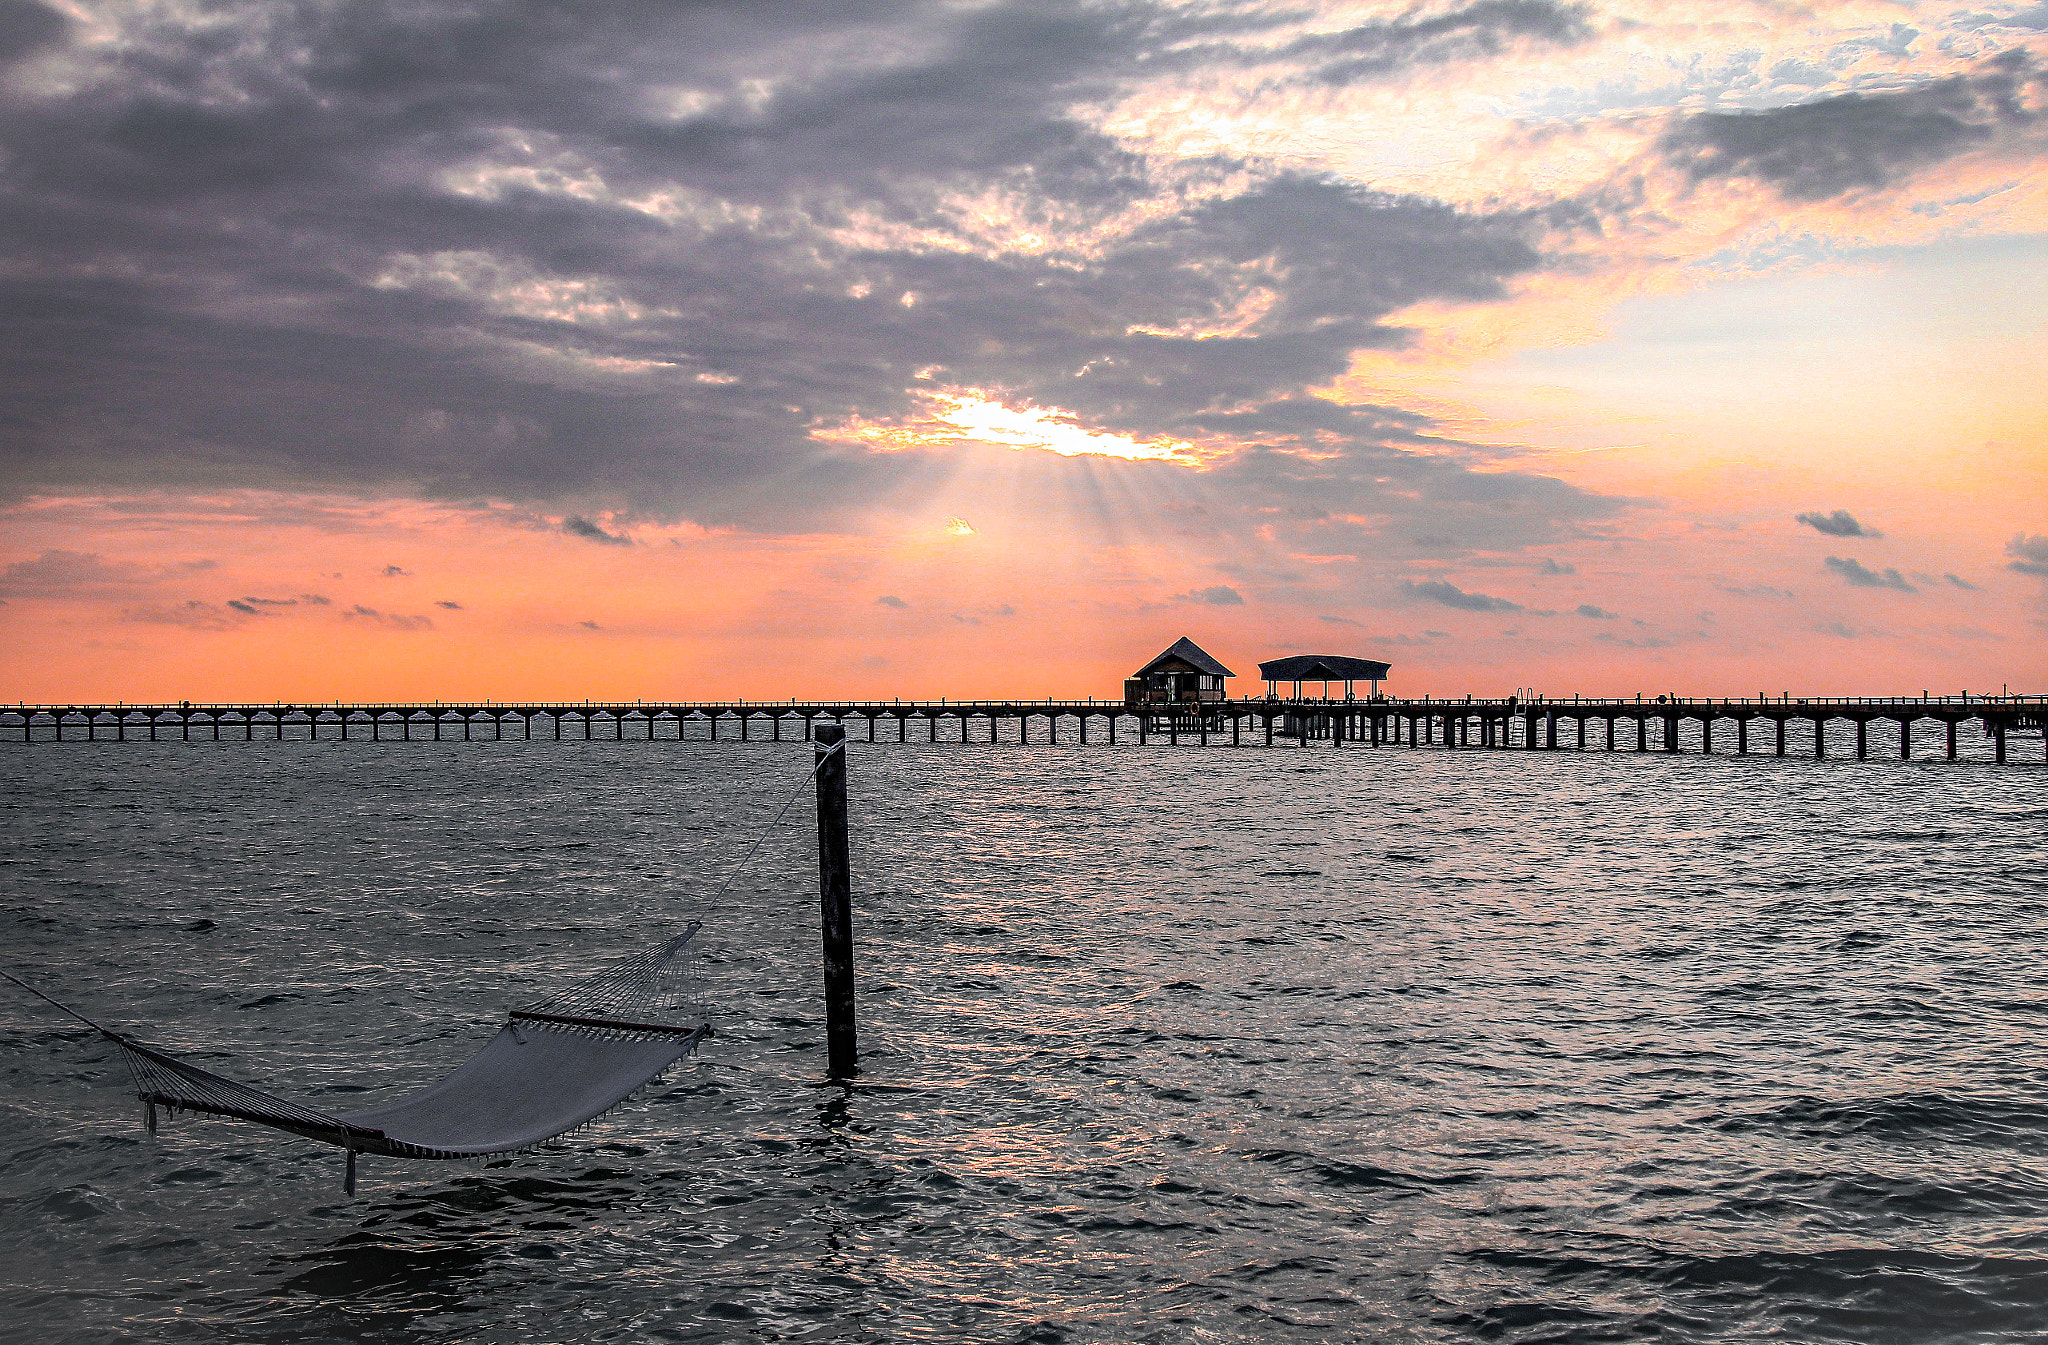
[1511,358]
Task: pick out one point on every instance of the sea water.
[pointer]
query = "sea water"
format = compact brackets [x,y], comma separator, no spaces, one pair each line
[1159,1044]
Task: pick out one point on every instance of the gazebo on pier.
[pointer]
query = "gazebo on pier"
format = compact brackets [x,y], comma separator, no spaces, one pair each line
[1184,673]
[1323,668]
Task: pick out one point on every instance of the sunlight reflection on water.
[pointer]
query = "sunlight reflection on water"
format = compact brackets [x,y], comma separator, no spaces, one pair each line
[1162,1044]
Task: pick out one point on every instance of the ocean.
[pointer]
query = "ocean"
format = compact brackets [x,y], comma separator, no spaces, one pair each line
[1169,1044]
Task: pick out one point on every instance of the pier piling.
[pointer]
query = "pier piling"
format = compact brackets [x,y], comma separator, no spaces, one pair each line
[835,898]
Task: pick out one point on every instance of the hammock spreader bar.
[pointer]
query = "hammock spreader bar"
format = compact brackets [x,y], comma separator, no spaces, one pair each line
[551,1069]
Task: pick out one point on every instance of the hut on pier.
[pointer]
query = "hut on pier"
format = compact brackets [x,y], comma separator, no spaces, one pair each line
[1323,668]
[1185,673]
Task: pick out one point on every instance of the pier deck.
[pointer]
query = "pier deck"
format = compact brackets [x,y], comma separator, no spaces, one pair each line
[1758,727]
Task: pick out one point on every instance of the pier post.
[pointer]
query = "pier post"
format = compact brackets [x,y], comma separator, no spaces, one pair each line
[1112,728]
[1671,732]
[1707,735]
[1781,735]
[835,899]
[1905,739]
[1269,728]
[1952,739]
[1862,738]
[1642,733]
[1820,738]
[1998,741]
[1742,736]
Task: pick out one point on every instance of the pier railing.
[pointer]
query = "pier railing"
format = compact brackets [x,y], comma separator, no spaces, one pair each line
[1679,722]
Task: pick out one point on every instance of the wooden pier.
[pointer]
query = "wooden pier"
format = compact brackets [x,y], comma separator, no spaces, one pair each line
[1817,726]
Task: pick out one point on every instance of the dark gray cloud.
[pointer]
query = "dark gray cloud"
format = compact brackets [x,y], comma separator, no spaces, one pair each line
[1216,595]
[2029,552]
[1859,141]
[192,614]
[577,526]
[27,27]
[370,616]
[1450,595]
[633,263]
[1841,523]
[58,569]
[1855,575]
[1957,581]
[1549,566]
[396,572]
[1470,32]
[891,600]
[1587,609]
[451,606]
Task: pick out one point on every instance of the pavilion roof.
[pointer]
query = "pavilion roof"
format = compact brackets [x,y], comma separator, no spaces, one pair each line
[1323,668]
[1187,651]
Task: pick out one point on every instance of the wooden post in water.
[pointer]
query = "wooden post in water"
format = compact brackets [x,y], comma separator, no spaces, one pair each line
[835,894]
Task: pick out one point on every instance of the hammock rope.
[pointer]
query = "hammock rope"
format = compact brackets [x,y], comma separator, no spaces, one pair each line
[554,1066]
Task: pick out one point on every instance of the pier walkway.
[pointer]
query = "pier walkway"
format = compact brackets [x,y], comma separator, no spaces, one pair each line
[1816,725]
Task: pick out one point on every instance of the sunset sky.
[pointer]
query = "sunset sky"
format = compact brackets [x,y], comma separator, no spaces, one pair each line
[536,350]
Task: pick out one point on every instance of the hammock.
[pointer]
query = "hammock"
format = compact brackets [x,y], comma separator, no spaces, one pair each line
[551,1069]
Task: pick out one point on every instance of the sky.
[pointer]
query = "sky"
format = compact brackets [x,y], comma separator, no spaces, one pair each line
[761,350]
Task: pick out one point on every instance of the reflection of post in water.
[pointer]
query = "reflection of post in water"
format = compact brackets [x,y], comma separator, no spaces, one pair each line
[835,895]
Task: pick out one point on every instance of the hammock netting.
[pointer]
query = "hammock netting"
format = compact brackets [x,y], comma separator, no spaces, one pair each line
[553,1067]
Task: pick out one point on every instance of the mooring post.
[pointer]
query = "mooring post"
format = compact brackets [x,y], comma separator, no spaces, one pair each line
[835,895]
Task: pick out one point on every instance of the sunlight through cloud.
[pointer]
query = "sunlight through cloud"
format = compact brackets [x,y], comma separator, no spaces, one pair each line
[1048,428]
